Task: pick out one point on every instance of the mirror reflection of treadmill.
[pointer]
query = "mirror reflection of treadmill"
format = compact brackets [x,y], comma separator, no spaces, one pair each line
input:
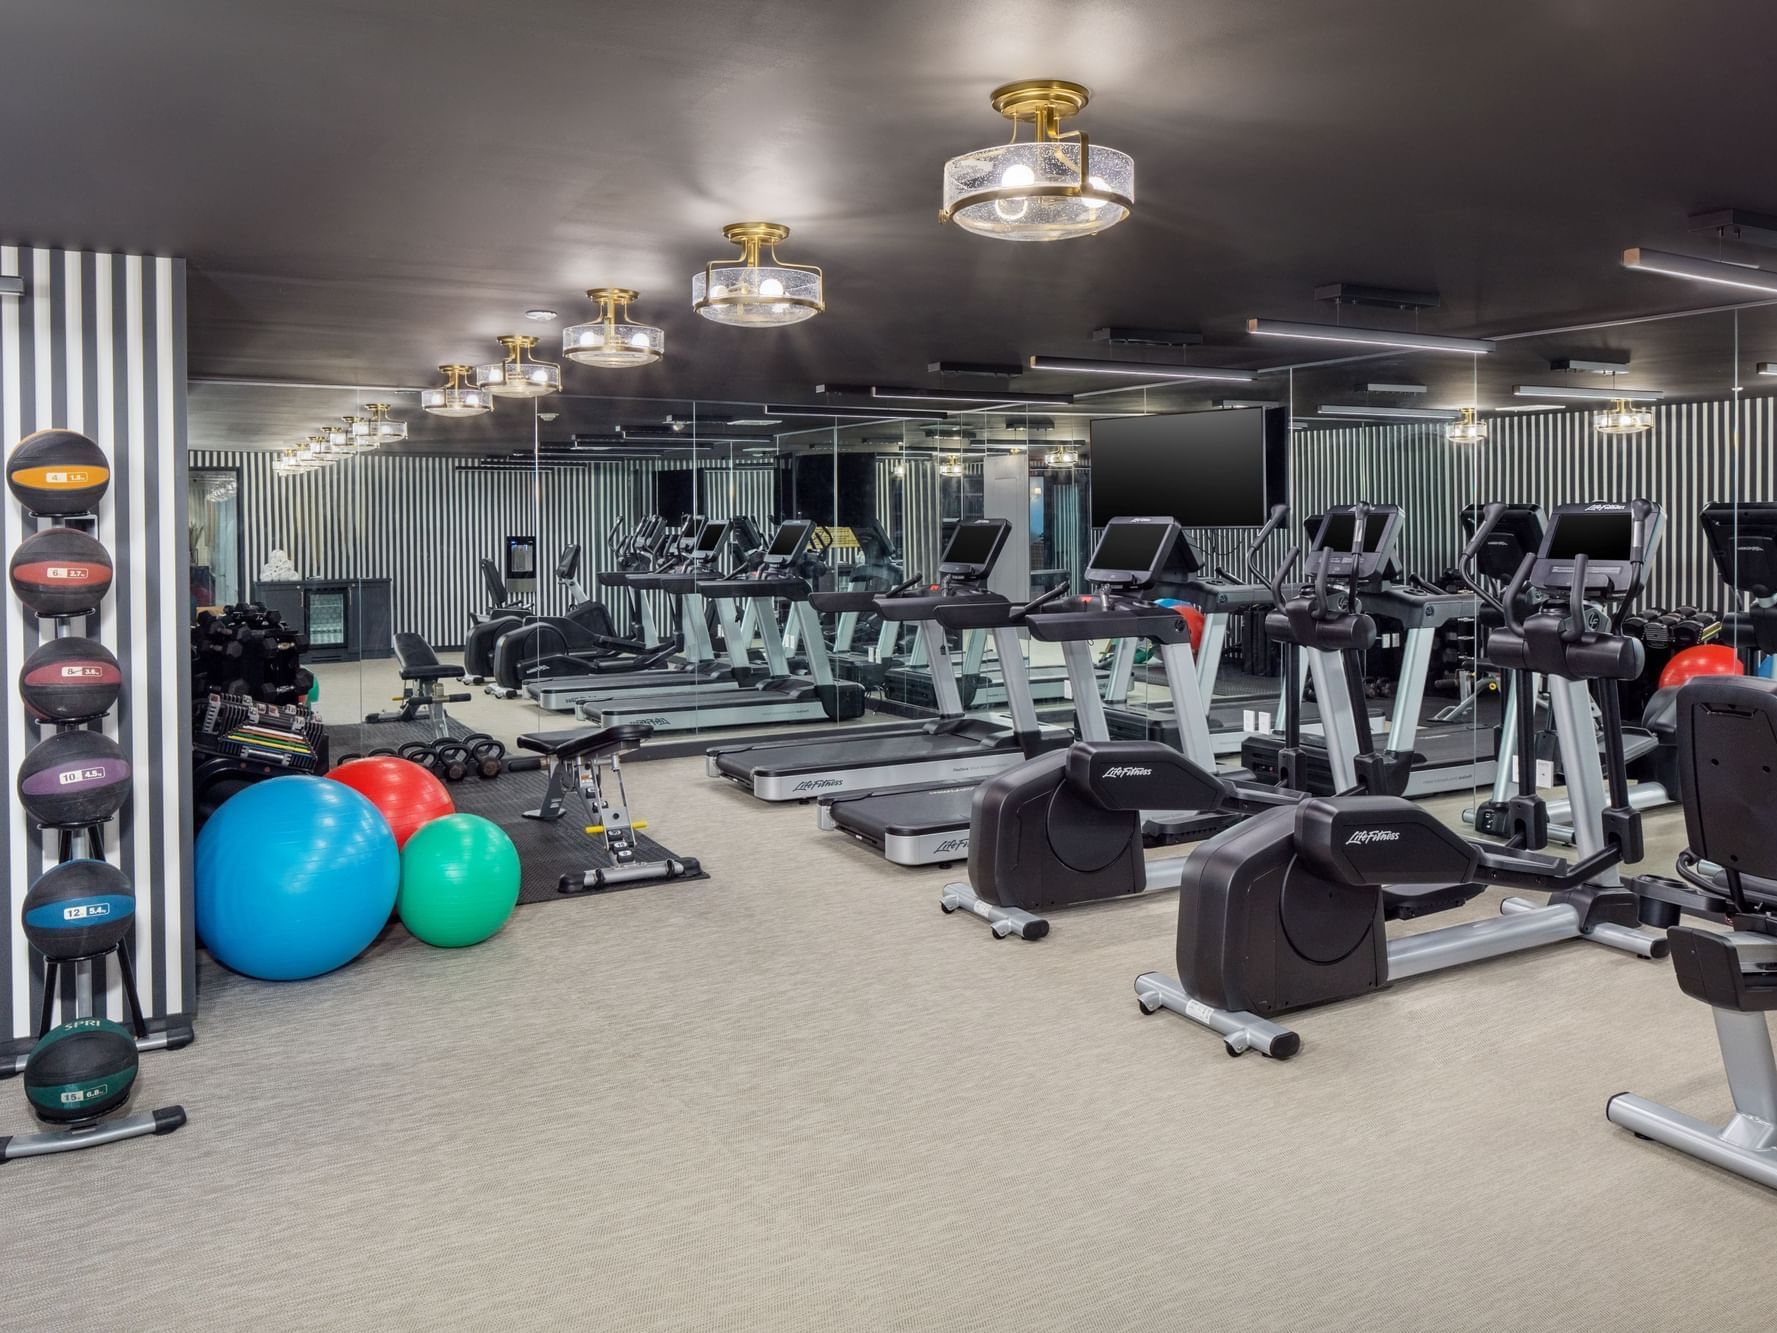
[781,693]
[905,677]
[950,747]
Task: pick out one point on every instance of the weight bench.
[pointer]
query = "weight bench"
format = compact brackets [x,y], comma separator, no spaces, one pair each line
[423,693]
[588,758]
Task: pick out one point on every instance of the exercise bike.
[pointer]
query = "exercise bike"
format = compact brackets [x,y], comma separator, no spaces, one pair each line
[1727,754]
[1288,910]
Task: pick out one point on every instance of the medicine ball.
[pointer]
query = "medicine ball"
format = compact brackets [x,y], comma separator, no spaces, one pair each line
[80,1071]
[78,909]
[58,472]
[70,680]
[61,572]
[74,778]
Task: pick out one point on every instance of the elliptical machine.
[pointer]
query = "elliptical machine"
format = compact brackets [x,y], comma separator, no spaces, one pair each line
[1288,910]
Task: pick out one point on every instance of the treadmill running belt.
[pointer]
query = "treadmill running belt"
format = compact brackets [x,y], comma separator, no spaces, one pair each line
[864,752]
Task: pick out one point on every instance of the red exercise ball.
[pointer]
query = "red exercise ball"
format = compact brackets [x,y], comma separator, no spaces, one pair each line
[406,794]
[1706,659]
[1194,618]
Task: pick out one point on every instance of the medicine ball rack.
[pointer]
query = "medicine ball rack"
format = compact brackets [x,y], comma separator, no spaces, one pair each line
[82,909]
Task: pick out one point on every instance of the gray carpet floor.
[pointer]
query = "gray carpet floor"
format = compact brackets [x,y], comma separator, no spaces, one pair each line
[795,1096]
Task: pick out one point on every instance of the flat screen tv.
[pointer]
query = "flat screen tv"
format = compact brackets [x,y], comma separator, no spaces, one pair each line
[1214,469]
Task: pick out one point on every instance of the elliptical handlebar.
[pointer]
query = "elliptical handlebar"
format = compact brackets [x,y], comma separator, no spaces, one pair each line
[1279,515]
[1466,563]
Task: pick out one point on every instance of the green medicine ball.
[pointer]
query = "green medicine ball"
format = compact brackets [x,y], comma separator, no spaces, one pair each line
[459,881]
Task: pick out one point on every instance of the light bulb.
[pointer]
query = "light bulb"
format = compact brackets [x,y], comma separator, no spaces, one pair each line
[717,292]
[1097,183]
[639,340]
[1016,175]
[771,287]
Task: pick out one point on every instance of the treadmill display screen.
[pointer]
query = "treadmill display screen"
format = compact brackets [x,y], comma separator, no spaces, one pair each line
[1131,546]
[1338,530]
[710,538]
[786,540]
[1596,536]
[972,544]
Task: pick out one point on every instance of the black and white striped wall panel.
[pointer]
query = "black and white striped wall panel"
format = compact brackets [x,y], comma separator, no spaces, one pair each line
[1695,453]
[424,522]
[97,344]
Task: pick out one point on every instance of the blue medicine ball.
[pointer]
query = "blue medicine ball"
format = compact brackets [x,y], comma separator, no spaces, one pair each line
[295,877]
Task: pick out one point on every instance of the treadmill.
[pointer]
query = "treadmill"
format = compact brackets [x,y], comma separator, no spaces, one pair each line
[930,826]
[774,696]
[677,579]
[952,746]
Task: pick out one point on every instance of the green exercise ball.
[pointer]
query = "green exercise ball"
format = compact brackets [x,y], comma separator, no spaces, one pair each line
[459,881]
[314,691]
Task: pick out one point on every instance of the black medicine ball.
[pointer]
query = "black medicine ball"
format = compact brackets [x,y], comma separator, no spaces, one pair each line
[61,572]
[58,472]
[80,1071]
[74,777]
[70,680]
[78,909]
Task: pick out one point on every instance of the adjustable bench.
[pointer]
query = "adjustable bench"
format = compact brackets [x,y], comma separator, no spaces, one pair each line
[588,757]
[423,693]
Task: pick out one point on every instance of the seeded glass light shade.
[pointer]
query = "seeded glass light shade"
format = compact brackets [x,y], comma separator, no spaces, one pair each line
[755,294]
[1047,189]
[1469,430]
[611,341]
[454,398]
[951,466]
[518,376]
[1624,418]
[377,428]
[1061,456]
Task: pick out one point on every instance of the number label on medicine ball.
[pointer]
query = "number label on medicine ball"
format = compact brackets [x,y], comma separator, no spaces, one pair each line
[61,572]
[74,778]
[70,680]
[58,472]
[78,909]
[80,1070]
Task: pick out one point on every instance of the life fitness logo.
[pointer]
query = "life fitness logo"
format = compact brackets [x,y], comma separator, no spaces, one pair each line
[1127,771]
[1593,508]
[68,573]
[1364,837]
[75,775]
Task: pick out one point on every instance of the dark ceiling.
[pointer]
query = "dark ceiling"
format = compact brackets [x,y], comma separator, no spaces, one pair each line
[367,189]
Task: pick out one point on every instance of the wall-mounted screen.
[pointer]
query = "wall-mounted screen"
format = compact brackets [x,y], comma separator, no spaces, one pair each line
[1217,469]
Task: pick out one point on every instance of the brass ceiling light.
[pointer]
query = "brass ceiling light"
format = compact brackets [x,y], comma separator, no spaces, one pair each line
[1467,429]
[1624,418]
[1062,455]
[377,427]
[1049,188]
[518,376]
[951,465]
[752,294]
[611,340]
[455,398]
[338,438]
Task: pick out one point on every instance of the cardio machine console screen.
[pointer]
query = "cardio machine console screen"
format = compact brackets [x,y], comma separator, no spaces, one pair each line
[1743,543]
[974,546]
[1338,534]
[1132,551]
[788,541]
[1603,533]
[710,538]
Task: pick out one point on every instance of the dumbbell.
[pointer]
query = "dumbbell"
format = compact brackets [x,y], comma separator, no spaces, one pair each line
[488,754]
[419,752]
[454,760]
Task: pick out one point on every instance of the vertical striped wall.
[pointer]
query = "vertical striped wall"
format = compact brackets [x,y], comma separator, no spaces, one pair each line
[1688,459]
[97,344]
[424,523]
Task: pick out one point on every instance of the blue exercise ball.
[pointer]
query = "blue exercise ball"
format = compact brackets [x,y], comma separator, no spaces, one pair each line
[295,877]
[1768,667]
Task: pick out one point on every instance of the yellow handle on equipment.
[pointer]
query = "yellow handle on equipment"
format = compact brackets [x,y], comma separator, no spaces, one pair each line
[596,829]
